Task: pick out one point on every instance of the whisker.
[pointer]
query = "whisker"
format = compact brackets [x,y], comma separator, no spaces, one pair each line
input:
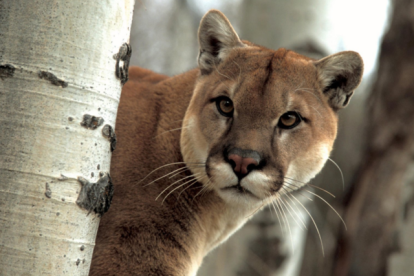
[270,210]
[179,169]
[286,207]
[287,221]
[298,87]
[330,207]
[175,163]
[281,220]
[257,209]
[295,180]
[204,188]
[182,169]
[191,180]
[319,188]
[190,186]
[177,121]
[178,173]
[221,73]
[173,185]
[308,90]
[285,187]
[314,223]
[297,214]
[311,185]
[320,115]
[342,175]
[171,130]
[240,71]
[293,187]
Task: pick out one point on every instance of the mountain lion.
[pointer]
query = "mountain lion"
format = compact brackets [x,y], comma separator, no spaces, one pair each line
[201,152]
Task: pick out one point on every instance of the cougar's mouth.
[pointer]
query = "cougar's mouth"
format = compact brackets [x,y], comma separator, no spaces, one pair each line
[239,189]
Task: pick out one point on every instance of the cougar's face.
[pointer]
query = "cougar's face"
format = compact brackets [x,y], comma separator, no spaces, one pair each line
[259,125]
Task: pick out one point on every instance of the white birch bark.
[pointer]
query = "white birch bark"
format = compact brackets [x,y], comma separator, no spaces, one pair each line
[56,65]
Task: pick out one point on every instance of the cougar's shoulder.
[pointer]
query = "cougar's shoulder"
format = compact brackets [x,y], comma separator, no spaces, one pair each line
[150,104]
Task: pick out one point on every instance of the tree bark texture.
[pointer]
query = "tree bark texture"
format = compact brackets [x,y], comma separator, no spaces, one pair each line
[371,209]
[58,101]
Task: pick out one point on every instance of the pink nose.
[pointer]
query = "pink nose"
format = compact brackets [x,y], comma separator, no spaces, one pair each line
[242,165]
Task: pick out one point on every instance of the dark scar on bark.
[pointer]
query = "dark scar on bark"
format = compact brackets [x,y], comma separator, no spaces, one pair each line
[91,122]
[6,71]
[48,192]
[97,196]
[52,78]
[109,133]
[124,55]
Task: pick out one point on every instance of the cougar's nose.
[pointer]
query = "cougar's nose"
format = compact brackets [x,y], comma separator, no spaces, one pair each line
[243,161]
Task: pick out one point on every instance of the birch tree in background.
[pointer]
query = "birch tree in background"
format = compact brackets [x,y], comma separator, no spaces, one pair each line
[374,203]
[59,93]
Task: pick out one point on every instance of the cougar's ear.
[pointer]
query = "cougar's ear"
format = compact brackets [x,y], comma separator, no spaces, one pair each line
[216,37]
[340,74]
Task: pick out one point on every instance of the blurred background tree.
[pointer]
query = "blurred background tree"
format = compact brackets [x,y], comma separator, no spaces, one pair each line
[376,207]
[373,203]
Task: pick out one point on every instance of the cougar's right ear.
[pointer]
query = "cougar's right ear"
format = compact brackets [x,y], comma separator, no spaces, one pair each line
[340,74]
[216,37]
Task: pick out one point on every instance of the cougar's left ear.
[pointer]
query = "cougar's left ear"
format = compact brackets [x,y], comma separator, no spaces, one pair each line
[216,37]
[340,74]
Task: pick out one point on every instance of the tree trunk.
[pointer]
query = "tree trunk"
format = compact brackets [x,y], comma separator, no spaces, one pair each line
[58,100]
[373,205]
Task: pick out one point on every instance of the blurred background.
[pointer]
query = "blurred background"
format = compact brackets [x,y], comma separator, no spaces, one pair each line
[374,148]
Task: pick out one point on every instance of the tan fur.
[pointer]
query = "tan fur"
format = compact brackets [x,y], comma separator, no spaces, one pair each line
[143,236]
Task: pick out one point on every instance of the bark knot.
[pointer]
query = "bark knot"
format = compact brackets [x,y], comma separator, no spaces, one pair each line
[91,122]
[97,196]
[52,79]
[6,71]
[124,55]
[109,133]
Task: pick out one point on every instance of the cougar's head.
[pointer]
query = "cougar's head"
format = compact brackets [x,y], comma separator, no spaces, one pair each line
[261,122]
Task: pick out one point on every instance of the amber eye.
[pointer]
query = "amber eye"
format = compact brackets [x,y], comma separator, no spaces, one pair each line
[289,120]
[225,106]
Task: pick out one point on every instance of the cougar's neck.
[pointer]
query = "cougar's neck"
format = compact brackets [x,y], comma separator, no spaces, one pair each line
[209,222]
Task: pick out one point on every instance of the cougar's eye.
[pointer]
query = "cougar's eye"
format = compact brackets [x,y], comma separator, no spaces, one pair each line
[225,106]
[289,120]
